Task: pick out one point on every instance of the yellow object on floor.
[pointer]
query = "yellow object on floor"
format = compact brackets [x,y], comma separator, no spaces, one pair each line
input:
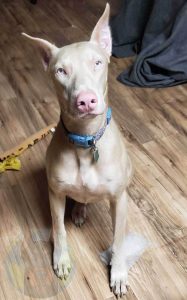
[9,160]
[11,163]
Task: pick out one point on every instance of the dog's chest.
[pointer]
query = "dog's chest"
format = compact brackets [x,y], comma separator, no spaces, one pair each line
[87,183]
[92,179]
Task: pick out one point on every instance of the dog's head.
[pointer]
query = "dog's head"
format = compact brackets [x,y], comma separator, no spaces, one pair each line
[79,70]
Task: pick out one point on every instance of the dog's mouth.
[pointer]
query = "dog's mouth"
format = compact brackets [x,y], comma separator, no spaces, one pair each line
[85,115]
[89,115]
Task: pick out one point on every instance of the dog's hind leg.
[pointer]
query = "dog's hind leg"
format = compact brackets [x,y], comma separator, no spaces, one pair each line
[78,214]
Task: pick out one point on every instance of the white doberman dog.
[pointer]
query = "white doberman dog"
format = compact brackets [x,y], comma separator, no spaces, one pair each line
[87,159]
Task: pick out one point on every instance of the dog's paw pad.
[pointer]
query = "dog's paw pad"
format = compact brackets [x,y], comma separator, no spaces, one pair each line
[118,283]
[62,271]
[62,268]
[79,214]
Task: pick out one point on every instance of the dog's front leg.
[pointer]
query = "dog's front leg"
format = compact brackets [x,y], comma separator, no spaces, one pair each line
[61,260]
[118,276]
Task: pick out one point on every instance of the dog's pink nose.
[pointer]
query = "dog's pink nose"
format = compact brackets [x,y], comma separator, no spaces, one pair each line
[86,101]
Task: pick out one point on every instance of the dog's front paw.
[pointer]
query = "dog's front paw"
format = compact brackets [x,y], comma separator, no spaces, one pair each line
[61,265]
[118,280]
[79,214]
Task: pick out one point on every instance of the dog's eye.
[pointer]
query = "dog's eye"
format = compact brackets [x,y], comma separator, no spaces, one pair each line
[98,64]
[61,71]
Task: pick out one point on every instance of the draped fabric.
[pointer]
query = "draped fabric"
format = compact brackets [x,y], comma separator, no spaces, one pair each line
[156,32]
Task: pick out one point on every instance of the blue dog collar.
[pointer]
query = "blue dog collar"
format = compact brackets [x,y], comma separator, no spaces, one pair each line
[87,141]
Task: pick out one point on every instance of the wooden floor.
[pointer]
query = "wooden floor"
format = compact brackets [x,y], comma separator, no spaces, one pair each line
[154,123]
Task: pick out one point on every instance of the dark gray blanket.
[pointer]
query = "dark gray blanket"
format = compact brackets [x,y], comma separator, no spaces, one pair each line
[155,30]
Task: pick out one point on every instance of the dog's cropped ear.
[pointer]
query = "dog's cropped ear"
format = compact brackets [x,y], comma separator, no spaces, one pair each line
[101,33]
[46,49]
